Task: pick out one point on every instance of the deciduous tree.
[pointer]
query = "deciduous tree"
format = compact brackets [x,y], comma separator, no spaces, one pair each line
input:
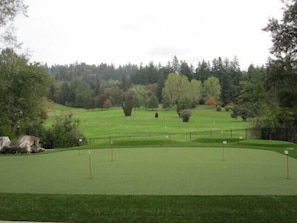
[282,71]
[180,92]
[211,88]
[23,88]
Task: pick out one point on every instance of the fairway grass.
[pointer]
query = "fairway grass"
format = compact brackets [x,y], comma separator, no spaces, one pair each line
[112,122]
[150,171]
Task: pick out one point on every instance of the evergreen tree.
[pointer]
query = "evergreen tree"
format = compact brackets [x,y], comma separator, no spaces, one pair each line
[203,71]
[175,65]
[250,101]
[186,70]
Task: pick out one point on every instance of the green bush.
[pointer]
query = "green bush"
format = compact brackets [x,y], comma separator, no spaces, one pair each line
[185,114]
[34,129]
[183,104]
[229,107]
[63,133]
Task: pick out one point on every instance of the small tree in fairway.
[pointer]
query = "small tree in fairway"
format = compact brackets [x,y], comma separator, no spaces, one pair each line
[185,115]
[127,106]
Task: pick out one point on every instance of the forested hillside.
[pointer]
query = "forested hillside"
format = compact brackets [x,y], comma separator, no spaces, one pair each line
[104,85]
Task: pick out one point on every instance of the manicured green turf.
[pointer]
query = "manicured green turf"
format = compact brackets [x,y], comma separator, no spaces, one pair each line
[150,171]
[148,209]
[112,122]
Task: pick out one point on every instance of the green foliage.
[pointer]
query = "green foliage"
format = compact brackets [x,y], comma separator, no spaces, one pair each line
[252,97]
[228,107]
[115,95]
[203,71]
[166,103]
[173,88]
[281,79]
[127,107]
[152,102]
[229,75]
[111,82]
[183,103]
[181,92]
[284,33]
[196,91]
[23,89]
[145,75]
[63,133]
[32,128]
[186,70]
[141,96]
[282,74]
[185,114]
[211,89]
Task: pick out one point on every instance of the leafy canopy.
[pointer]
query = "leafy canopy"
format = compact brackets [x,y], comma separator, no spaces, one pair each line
[23,88]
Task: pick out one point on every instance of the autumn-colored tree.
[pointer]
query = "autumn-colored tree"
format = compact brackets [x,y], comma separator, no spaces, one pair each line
[211,101]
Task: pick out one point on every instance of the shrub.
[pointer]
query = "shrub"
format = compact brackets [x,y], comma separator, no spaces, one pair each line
[63,133]
[183,104]
[185,114]
[219,108]
[228,107]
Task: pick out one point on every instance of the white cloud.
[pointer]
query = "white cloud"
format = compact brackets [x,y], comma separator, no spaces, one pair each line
[116,31]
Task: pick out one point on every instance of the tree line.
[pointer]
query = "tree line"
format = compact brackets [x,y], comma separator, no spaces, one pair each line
[102,86]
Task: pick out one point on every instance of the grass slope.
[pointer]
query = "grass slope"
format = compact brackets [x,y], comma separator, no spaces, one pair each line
[112,122]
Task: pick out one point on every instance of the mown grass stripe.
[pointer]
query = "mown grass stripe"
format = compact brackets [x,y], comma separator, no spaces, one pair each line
[100,208]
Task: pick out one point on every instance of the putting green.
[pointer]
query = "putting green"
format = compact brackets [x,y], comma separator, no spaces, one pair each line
[155,171]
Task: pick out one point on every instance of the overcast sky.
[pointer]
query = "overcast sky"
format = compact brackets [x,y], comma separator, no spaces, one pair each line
[135,31]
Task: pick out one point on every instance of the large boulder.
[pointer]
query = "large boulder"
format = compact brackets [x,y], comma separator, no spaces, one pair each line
[4,141]
[24,144]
